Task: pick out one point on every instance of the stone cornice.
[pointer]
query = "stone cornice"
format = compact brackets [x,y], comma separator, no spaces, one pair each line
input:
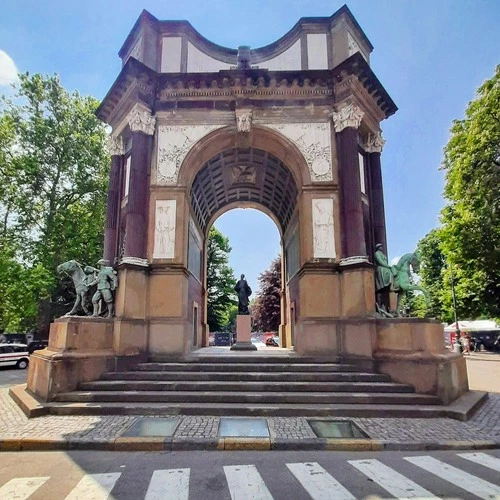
[374,143]
[348,116]
[141,120]
[115,145]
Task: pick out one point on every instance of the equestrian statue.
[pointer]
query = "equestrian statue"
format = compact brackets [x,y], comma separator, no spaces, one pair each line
[396,279]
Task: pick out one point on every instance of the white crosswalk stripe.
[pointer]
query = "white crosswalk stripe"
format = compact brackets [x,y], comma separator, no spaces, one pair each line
[94,487]
[482,459]
[468,482]
[318,483]
[245,483]
[21,487]
[395,483]
[169,483]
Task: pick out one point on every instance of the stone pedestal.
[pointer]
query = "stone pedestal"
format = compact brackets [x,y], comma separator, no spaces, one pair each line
[243,334]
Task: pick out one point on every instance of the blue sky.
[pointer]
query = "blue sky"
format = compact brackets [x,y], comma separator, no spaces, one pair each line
[429,55]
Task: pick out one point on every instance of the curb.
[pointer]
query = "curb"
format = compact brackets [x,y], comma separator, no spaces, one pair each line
[237,444]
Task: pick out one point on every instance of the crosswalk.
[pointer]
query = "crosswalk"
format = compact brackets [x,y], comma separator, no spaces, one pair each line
[307,479]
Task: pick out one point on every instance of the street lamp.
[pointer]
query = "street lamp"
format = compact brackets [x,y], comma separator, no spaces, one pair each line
[457,348]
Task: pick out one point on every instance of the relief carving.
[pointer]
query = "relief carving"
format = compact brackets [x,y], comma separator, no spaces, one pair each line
[313,141]
[141,120]
[374,143]
[164,242]
[348,116]
[174,143]
[243,120]
[115,145]
[323,232]
[243,175]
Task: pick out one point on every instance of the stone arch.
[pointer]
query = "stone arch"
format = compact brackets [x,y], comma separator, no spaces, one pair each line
[259,137]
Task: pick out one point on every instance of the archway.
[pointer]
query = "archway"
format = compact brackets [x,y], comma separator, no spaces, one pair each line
[246,178]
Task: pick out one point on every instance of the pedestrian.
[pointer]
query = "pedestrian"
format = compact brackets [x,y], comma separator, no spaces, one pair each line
[466,343]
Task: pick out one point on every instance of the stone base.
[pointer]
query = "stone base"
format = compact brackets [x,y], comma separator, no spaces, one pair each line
[243,334]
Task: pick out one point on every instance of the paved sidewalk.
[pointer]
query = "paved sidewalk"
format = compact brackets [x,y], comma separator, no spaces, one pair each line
[17,432]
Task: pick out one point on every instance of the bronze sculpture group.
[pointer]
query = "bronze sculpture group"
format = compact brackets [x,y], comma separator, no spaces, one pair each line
[395,278]
[85,277]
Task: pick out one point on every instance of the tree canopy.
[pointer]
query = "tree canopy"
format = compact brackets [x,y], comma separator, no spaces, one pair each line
[221,298]
[469,239]
[266,308]
[53,178]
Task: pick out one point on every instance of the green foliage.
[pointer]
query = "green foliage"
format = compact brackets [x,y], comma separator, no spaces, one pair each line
[266,309]
[220,281]
[53,178]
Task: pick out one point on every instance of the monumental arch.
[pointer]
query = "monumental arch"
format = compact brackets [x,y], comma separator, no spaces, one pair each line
[292,129]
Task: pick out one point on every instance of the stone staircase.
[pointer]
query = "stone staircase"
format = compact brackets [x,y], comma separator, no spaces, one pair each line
[247,386]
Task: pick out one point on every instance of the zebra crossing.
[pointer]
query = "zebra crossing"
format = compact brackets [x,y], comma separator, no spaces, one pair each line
[309,480]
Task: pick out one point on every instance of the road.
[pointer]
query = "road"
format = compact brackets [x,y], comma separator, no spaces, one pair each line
[11,376]
[244,475]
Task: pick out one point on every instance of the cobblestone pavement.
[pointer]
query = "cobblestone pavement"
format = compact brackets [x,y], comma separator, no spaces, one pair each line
[484,425]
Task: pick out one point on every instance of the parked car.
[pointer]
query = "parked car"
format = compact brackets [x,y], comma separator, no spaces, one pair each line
[14,355]
[273,341]
[37,345]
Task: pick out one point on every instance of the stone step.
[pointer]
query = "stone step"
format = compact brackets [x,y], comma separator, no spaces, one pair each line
[252,410]
[300,398]
[244,386]
[248,376]
[247,367]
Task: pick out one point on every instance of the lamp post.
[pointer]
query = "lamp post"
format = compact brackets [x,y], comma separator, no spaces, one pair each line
[457,348]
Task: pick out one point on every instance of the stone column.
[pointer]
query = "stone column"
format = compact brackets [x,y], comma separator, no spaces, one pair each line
[374,146]
[142,126]
[113,198]
[346,122]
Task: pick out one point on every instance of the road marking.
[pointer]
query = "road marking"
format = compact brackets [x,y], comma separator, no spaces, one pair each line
[94,487]
[169,483]
[21,487]
[458,477]
[318,483]
[393,482]
[482,459]
[245,483]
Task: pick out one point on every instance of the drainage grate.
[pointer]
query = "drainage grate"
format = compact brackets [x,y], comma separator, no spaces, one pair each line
[159,427]
[337,429]
[243,427]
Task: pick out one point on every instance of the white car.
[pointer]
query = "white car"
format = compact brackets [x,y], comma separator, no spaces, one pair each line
[14,355]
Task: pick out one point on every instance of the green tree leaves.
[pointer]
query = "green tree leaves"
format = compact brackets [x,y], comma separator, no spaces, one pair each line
[53,178]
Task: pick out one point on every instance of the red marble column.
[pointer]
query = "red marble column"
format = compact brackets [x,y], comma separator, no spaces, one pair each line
[377,200]
[112,207]
[137,203]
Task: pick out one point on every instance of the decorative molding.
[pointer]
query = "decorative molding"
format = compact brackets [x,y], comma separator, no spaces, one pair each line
[348,116]
[135,261]
[243,120]
[313,141]
[164,237]
[356,259]
[115,145]
[323,229]
[174,143]
[141,120]
[374,143]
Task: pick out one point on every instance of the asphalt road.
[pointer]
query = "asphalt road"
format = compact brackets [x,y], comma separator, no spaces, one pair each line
[11,376]
[244,475]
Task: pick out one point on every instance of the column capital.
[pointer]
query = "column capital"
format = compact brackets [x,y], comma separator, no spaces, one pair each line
[375,143]
[141,120]
[115,145]
[348,116]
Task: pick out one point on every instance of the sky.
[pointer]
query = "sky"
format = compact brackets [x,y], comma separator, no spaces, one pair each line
[430,55]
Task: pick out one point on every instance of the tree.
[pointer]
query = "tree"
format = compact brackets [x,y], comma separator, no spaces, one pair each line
[53,177]
[220,281]
[470,235]
[266,310]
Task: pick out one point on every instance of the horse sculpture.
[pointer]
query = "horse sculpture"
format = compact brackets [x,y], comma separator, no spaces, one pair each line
[81,282]
[400,281]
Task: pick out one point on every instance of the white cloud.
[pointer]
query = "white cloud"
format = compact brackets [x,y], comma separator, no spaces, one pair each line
[395,260]
[8,70]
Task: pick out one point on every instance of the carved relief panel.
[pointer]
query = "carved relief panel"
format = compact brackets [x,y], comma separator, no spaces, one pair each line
[164,237]
[323,230]
[313,141]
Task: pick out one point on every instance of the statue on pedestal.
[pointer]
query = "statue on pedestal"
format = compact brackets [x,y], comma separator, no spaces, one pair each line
[244,292]
[106,282]
[81,280]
